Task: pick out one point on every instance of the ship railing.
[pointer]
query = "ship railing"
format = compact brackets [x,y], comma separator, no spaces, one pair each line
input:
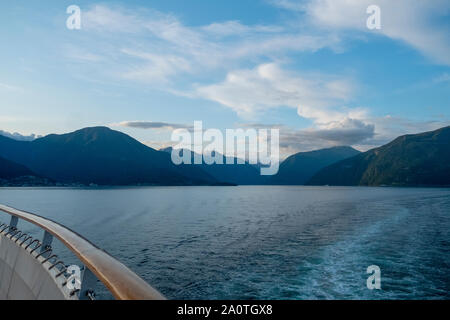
[121,282]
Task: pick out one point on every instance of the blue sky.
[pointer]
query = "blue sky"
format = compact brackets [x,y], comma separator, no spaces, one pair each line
[311,68]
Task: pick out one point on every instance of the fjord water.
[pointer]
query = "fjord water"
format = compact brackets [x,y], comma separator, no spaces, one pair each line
[261,242]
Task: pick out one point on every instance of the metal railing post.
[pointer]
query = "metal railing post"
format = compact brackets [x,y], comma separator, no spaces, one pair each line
[13,223]
[46,243]
[88,282]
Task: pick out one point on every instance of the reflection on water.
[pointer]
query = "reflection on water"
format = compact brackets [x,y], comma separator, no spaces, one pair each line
[262,242]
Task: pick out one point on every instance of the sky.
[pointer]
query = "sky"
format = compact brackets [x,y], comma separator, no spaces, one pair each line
[311,68]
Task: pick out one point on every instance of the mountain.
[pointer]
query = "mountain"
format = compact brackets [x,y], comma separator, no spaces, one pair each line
[411,160]
[16,175]
[101,156]
[240,174]
[300,167]
[11,170]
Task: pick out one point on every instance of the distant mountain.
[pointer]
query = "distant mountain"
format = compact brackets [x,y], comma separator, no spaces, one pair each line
[300,167]
[18,136]
[101,156]
[16,175]
[11,170]
[241,174]
[411,160]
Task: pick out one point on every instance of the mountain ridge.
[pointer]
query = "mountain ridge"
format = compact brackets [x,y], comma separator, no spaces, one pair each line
[410,160]
[101,156]
[240,174]
[300,167]
[10,170]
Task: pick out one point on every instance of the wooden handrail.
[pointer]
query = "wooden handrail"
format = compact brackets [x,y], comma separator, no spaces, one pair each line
[123,283]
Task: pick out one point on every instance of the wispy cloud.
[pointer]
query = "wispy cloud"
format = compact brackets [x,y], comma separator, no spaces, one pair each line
[270,86]
[413,22]
[109,19]
[156,67]
[163,47]
[288,4]
[12,88]
[443,78]
[235,28]
[76,53]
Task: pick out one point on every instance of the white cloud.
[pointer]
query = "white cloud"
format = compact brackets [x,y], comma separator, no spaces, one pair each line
[345,132]
[269,86]
[167,47]
[288,4]
[413,22]
[235,28]
[104,18]
[362,135]
[303,140]
[156,67]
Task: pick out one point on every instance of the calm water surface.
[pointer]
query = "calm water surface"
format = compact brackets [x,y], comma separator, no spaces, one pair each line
[261,242]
